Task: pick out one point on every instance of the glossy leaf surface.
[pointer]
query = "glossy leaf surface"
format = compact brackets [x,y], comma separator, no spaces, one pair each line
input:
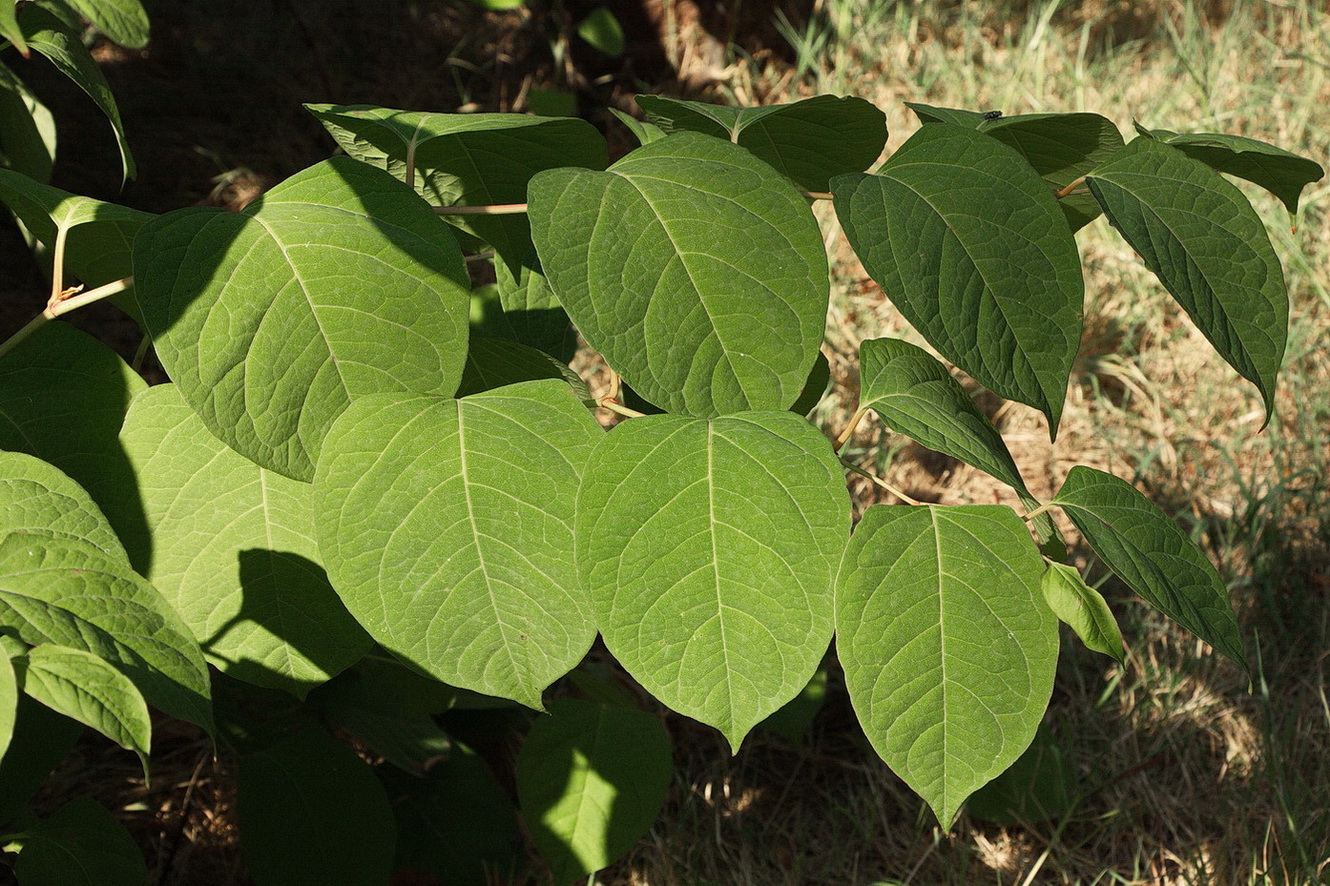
[591,780]
[708,549]
[232,549]
[717,302]
[85,688]
[972,248]
[1083,609]
[808,141]
[447,528]
[337,283]
[1152,555]
[947,644]
[1205,243]
[312,812]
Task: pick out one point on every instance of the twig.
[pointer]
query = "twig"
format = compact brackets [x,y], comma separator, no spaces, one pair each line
[878,481]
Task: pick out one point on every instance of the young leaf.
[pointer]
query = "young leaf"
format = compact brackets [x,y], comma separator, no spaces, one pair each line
[312,812]
[81,844]
[916,396]
[86,688]
[708,549]
[602,30]
[8,701]
[99,237]
[1061,148]
[1152,555]
[1280,172]
[337,283]
[27,128]
[1083,608]
[50,37]
[124,21]
[61,590]
[591,780]
[973,249]
[717,303]
[808,141]
[232,548]
[446,527]
[947,644]
[37,498]
[644,132]
[1206,244]
[467,159]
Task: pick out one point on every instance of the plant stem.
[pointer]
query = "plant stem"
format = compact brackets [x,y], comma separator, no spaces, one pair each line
[58,306]
[1069,188]
[878,481]
[818,195]
[616,407]
[141,353]
[849,428]
[1042,509]
[616,386]
[495,209]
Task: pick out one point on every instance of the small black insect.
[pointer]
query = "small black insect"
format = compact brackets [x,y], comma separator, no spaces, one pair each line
[992,115]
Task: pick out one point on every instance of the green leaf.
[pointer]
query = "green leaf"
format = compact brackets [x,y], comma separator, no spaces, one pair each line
[98,237]
[467,159]
[954,116]
[793,721]
[337,283]
[948,647]
[62,590]
[708,549]
[8,701]
[531,314]
[10,30]
[312,812]
[591,780]
[1061,148]
[124,21]
[1083,608]
[717,302]
[447,529]
[644,132]
[232,548]
[1039,786]
[1206,244]
[815,387]
[808,141]
[456,823]
[602,30]
[387,715]
[41,740]
[63,397]
[1152,555]
[1280,172]
[81,844]
[36,497]
[974,251]
[493,363]
[27,128]
[916,396]
[51,38]
[85,688]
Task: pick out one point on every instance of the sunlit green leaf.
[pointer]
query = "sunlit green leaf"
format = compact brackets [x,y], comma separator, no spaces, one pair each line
[38,498]
[947,644]
[1083,608]
[708,549]
[717,303]
[1152,555]
[124,21]
[8,701]
[337,283]
[10,30]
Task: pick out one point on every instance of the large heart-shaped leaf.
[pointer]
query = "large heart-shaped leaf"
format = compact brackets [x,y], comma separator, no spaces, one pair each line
[708,549]
[947,644]
[63,47]
[969,243]
[1280,172]
[809,141]
[337,283]
[1206,244]
[467,159]
[1152,555]
[591,780]
[717,302]
[86,688]
[232,548]
[447,529]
